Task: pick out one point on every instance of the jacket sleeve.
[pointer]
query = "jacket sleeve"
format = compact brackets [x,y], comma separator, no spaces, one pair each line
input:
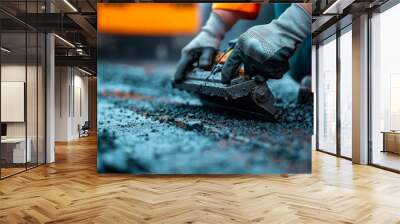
[247,10]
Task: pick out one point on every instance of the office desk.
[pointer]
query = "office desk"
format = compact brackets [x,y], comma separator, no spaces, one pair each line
[15,148]
[391,141]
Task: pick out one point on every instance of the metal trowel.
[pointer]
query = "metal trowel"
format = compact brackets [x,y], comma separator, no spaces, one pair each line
[246,94]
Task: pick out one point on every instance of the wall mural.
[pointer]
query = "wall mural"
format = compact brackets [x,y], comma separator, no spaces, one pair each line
[184,90]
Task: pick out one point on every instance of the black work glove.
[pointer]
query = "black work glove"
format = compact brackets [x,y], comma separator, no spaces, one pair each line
[265,49]
[204,56]
[202,48]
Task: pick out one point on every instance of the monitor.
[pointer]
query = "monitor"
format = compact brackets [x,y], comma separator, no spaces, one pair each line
[3,129]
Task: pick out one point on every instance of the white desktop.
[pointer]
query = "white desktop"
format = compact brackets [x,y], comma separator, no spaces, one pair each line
[16,147]
[18,144]
[12,104]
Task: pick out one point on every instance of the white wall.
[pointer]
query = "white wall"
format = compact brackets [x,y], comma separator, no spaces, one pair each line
[12,73]
[70,83]
[81,84]
[62,82]
[13,101]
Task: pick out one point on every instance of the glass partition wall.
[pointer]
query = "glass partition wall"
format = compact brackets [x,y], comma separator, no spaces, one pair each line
[13,110]
[22,95]
[334,94]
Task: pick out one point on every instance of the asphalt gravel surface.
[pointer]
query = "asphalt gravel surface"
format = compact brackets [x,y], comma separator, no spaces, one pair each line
[147,127]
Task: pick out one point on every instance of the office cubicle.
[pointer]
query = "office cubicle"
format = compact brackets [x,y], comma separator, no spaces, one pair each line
[22,90]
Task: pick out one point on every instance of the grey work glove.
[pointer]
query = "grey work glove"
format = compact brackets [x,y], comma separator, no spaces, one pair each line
[202,48]
[265,49]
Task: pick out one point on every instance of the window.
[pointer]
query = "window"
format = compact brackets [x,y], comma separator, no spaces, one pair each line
[346,92]
[385,89]
[327,96]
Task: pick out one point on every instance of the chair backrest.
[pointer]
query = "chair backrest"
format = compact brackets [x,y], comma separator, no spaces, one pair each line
[86,125]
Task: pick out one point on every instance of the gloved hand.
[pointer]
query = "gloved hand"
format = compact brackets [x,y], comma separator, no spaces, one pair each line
[202,48]
[265,49]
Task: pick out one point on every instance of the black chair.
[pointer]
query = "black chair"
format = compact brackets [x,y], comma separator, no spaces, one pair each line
[84,130]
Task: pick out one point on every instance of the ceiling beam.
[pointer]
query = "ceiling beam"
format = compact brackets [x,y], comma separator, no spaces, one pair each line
[86,26]
[78,61]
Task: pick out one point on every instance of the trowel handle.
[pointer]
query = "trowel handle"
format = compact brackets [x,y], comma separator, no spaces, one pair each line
[222,57]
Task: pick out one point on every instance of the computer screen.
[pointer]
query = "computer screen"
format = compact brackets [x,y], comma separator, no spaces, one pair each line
[3,129]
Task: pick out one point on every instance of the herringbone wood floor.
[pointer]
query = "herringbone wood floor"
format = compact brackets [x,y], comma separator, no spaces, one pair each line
[70,191]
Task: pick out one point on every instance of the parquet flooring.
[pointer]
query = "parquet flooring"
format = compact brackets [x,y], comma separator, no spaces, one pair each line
[10,171]
[70,191]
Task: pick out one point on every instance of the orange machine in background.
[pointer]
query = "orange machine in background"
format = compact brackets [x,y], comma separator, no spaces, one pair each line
[247,10]
[148,19]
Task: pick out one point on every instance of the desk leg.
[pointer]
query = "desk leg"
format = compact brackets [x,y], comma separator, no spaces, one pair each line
[384,143]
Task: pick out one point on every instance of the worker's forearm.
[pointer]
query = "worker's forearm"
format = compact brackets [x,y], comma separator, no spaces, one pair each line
[307,7]
[228,17]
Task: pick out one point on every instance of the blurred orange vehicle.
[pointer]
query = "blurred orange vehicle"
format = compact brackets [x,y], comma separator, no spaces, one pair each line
[246,10]
[148,19]
[155,19]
